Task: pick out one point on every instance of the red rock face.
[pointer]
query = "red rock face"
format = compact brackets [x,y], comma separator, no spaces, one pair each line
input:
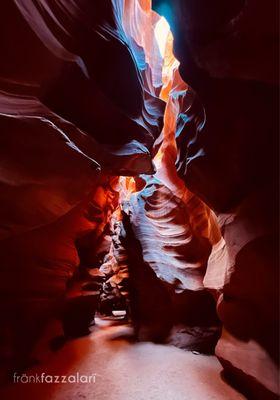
[227,54]
[159,169]
[65,116]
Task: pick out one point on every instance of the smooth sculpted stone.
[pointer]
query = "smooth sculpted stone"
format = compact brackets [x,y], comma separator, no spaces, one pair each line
[228,155]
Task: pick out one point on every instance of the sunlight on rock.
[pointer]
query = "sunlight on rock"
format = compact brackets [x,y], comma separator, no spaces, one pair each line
[162,30]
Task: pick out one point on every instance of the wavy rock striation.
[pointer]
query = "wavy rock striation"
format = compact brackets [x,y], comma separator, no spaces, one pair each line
[114,154]
[70,123]
[227,53]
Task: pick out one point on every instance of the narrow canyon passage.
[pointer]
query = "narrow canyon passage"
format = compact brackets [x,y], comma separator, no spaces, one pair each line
[139,206]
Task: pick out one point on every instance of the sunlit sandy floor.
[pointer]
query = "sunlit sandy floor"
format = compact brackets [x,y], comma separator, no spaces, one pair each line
[125,371]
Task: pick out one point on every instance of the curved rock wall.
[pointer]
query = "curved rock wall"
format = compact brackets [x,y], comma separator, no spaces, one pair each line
[228,54]
[172,230]
[100,95]
[70,124]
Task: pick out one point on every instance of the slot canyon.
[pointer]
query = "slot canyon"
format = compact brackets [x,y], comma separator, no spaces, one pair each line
[139,199]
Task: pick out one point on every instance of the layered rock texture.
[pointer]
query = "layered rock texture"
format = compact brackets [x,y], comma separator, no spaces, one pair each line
[228,54]
[141,179]
[70,125]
